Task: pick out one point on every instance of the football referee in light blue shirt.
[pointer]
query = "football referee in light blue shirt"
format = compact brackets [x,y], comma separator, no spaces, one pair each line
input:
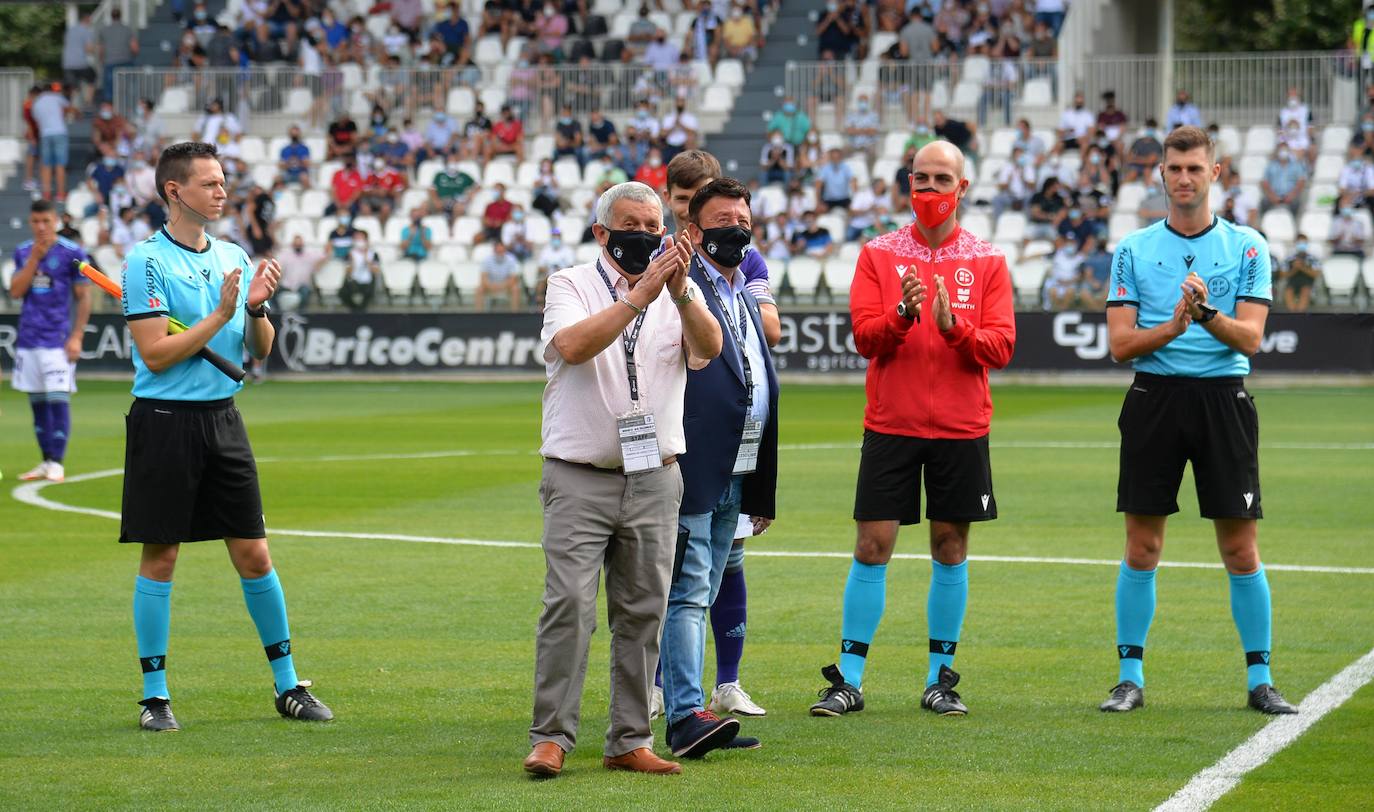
[189,473]
[1188,300]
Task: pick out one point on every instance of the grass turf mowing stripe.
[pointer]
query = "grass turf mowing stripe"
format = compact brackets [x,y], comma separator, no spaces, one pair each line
[1208,786]
[30,493]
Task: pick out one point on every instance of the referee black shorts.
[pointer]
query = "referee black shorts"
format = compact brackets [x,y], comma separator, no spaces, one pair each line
[958,480]
[189,474]
[1169,421]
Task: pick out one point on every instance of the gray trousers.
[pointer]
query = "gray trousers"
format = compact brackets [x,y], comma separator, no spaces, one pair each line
[628,525]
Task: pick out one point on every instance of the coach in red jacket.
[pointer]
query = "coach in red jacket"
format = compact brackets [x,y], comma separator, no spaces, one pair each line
[928,408]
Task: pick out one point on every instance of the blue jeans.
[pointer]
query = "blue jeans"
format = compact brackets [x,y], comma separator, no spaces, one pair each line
[709,537]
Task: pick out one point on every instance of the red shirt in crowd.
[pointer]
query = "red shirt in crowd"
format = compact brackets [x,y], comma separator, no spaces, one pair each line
[497,212]
[348,185]
[655,178]
[922,382]
[388,181]
[508,130]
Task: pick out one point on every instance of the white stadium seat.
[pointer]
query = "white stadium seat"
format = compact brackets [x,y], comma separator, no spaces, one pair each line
[1341,275]
[839,273]
[330,277]
[1260,140]
[1277,225]
[1011,227]
[1335,138]
[803,274]
[434,276]
[1328,168]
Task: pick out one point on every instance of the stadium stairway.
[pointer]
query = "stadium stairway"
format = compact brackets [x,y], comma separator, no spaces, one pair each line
[791,37]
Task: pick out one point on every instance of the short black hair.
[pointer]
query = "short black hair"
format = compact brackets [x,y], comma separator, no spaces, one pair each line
[720,187]
[42,207]
[174,163]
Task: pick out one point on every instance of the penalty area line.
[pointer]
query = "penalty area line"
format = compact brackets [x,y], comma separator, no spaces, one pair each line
[1208,786]
[31,493]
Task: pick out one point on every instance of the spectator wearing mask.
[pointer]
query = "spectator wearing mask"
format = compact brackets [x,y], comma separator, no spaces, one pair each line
[775,159]
[259,210]
[1075,124]
[439,137]
[1111,120]
[553,257]
[1295,112]
[601,135]
[679,128]
[959,133]
[546,190]
[452,190]
[1349,234]
[78,48]
[811,239]
[111,133]
[1363,139]
[1183,113]
[861,127]
[507,136]
[454,31]
[394,151]
[343,137]
[834,31]
[1097,271]
[117,45]
[496,215]
[653,172]
[101,179]
[515,235]
[703,37]
[360,279]
[1144,153]
[341,238]
[384,188]
[416,238]
[500,276]
[791,122]
[130,227]
[1301,273]
[1283,183]
[1015,184]
[294,161]
[220,128]
[739,36]
[299,264]
[149,131]
[835,183]
[348,185]
[1065,275]
[864,208]
[1298,139]
[1356,179]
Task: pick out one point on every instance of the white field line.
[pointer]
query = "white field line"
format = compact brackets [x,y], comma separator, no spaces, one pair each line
[1209,785]
[30,493]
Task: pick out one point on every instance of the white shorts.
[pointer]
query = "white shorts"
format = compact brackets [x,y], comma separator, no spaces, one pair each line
[43,369]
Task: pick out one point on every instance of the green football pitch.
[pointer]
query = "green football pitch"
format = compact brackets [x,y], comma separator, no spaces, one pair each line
[421,638]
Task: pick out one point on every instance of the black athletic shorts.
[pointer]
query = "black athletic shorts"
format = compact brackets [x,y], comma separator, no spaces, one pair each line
[189,474]
[1169,421]
[958,478]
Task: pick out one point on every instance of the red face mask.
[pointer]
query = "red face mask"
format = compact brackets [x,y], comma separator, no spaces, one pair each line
[932,208]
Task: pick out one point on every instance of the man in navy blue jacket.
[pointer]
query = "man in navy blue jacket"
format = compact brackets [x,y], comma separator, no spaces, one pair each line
[731,464]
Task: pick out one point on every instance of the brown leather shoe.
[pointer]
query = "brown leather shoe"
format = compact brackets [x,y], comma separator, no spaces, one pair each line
[642,760]
[545,759]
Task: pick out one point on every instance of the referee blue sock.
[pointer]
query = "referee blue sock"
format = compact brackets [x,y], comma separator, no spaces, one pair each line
[1135,608]
[865,594]
[945,608]
[1251,611]
[267,606]
[152,623]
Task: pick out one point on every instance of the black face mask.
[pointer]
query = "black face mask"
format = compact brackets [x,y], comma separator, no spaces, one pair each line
[632,250]
[726,245]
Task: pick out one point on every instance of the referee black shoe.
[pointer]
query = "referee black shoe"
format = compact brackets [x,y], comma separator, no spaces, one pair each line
[1267,699]
[839,697]
[299,703]
[941,697]
[157,716]
[1126,696]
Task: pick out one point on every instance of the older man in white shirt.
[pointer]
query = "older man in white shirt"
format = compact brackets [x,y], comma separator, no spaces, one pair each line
[619,334]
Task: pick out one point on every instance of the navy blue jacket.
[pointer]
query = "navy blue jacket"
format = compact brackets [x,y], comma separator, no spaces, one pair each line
[714,416]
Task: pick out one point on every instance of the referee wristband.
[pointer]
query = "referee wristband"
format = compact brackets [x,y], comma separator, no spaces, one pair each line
[639,311]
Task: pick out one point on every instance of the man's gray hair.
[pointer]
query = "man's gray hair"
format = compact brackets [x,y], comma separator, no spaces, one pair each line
[629,190]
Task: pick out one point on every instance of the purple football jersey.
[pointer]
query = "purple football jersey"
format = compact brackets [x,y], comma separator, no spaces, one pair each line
[45,319]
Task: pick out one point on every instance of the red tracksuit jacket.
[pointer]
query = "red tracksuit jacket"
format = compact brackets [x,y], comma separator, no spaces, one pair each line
[921,382]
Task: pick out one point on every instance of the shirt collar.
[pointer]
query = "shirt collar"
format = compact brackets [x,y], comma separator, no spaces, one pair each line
[718,279]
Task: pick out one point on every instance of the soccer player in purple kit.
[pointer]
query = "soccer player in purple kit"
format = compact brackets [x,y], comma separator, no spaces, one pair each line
[49,342]
[688,172]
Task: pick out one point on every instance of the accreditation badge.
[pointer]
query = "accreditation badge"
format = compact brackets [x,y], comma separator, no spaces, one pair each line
[748,458]
[639,443]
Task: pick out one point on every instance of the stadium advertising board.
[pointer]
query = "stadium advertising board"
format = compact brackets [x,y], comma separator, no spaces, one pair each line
[812,342]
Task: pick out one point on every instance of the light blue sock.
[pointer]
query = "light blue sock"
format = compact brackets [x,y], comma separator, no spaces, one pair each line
[152,625]
[865,594]
[1135,608]
[267,606]
[1250,609]
[945,607]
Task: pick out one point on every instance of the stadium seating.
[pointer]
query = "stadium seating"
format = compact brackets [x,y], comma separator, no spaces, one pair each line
[1341,275]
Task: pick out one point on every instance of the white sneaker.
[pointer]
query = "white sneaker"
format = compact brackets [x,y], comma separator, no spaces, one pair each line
[656,704]
[39,471]
[56,473]
[730,698]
